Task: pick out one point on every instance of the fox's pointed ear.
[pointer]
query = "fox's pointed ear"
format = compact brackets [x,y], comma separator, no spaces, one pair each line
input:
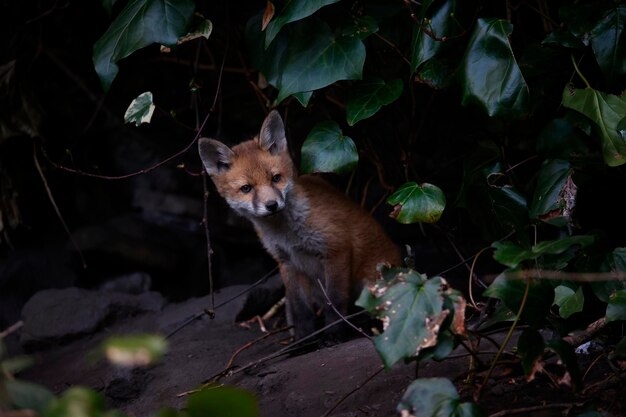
[216,157]
[272,135]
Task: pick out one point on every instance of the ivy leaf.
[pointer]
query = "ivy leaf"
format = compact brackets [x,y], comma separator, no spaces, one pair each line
[303,97]
[135,350]
[222,401]
[326,149]
[435,73]
[568,300]
[435,397]
[555,194]
[563,38]
[140,109]
[316,58]
[367,97]
[490,75]
[139,24]
[560,140]
[616,308]
[608,41]
[444,22]
[27,395]
[511,255]
[200,28]
[511,292]
[78,402]
[363,27]
[292,11]
[417,203]
[411,308]
[606,111]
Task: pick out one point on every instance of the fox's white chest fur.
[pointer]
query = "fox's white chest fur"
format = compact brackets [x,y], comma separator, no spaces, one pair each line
[289,239]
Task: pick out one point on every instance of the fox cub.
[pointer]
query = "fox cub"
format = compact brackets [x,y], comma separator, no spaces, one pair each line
[312,230]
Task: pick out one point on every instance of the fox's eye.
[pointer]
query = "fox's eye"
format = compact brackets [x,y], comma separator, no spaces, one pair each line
[277,178]
[246,188]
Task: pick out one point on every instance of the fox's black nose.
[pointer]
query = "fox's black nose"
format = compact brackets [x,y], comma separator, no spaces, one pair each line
[271,206]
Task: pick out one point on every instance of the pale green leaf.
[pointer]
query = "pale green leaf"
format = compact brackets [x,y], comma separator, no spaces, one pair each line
[605,111]
[367,97]
[417,203]
[140,109]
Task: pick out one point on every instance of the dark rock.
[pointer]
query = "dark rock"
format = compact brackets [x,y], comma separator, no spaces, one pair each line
[57,314]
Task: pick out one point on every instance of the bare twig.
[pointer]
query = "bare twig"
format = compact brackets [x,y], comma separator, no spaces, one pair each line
[588,333]
[355,389]
[428,31]
[331,305]
[12,328]
[534,408]
[207,235]
[295,345]
[229,364]
[504,342]
[54,205]
[234,297]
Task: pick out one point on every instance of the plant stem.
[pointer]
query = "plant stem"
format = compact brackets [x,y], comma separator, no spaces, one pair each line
[580,74]
[505,341]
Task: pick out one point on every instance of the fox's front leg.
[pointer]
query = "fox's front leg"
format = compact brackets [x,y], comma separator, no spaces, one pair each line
[337,287]
[300,313]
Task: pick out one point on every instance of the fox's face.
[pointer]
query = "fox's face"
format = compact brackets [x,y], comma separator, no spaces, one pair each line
[256,176]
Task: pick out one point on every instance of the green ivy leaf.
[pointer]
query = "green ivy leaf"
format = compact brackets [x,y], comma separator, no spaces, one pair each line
[568,300]
[27,395]
[363,27]
[303,97]
[292,11]
[316,58]
[563,38]
[606,111]
[511,255]
[367,97]
[560,140]
[411,308]
[435,397]
[139,24]
[135,350]
[555,194]
[417,203]
[490,75]
[511,292]
[442,21]
[199,28]
[140,109]
[77,402]
[222,401]
[435,73]
[616,308]
[608,41]
[326,149]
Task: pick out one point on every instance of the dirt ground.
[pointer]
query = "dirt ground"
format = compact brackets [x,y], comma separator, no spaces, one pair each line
[343,380]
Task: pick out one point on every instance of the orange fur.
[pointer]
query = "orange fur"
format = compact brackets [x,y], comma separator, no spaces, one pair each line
[312,230]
